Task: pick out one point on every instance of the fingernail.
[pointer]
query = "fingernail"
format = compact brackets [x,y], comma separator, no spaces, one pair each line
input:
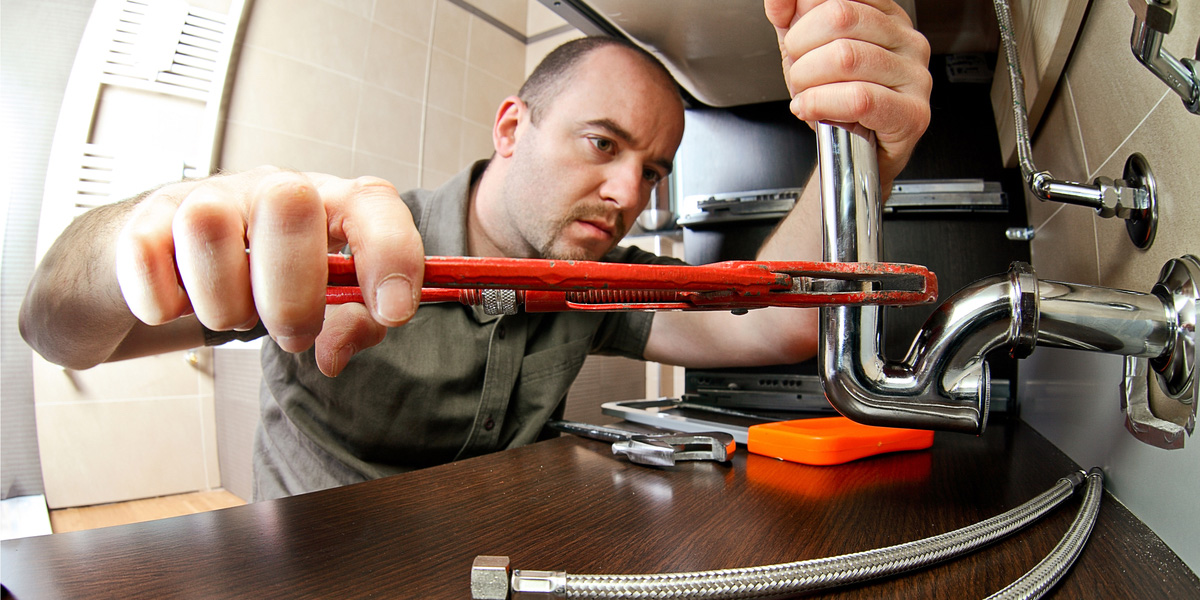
[295,343]
[394,299]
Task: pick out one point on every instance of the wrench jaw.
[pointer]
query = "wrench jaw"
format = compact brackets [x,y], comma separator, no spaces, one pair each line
[644,451]
[663,450]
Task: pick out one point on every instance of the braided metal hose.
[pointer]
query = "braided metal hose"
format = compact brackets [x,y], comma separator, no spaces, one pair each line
[1047,573]
[772,580]
[1008,38]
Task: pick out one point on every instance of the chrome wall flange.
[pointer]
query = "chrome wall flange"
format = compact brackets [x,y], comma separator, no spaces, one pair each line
[1179,287]
[1142,223]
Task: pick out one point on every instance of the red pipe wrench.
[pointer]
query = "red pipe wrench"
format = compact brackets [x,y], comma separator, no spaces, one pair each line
[502,285]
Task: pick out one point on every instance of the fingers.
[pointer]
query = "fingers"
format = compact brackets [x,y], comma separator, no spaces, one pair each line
[288,265]
[390,260]
[349,328]
[145,262]
[210,252]
[857,62]
[893,116]
[184,250]
[844,20]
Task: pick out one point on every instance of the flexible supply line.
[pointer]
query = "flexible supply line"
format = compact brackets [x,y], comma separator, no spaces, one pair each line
[1107,197]
[1042,577]
[773,580]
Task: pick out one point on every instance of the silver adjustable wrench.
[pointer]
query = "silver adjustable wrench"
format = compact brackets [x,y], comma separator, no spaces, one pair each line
[655,449]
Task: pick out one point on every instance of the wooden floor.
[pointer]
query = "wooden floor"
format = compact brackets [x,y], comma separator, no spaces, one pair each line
[136,511]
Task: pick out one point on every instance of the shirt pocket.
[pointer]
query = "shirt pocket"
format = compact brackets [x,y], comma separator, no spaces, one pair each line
[542,384]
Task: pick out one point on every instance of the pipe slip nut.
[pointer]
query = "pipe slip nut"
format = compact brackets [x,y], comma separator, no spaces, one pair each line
[1158,15]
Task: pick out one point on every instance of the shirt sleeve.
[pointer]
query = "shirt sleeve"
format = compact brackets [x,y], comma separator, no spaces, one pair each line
[625,333]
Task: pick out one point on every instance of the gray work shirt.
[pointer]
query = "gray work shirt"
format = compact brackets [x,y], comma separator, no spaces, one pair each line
[451,384]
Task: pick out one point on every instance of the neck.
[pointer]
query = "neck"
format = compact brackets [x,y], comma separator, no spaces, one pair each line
[480,212]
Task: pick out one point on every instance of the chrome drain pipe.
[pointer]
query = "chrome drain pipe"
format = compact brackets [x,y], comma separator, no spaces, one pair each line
[943,383]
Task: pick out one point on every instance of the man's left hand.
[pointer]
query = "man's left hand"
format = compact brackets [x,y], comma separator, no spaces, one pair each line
[858,63]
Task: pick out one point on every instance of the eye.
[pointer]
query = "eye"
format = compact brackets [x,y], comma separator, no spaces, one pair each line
[652,176]
[604,145]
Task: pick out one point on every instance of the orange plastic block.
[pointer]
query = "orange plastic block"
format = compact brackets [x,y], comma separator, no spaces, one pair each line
[831,440]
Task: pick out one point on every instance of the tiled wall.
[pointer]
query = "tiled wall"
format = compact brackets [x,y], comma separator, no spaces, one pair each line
[404,90]
[1109,106]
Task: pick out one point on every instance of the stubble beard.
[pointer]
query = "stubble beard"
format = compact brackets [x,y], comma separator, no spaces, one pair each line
[546,237]
[557,248]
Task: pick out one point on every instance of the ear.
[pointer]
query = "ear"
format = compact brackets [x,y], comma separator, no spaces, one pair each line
[512,114]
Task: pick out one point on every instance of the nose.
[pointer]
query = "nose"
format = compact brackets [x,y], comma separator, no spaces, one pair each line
[624,186]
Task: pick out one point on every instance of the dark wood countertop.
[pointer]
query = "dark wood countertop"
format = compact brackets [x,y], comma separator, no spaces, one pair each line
[567,504]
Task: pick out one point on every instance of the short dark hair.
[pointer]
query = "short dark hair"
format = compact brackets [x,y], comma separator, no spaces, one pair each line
[552,74]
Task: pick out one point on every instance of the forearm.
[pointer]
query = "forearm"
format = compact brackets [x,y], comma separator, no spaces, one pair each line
[73,313]
[798,235]
[761,337]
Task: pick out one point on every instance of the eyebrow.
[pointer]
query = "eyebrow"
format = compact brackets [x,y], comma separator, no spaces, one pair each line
[620,132]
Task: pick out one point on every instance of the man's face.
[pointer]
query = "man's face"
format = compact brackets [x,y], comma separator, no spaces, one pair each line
[584,172]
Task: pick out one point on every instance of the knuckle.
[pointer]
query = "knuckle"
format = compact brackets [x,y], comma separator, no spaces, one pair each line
[843,15]
[919,44]
[847,55]
[288,196]
[374,185]
[861,102]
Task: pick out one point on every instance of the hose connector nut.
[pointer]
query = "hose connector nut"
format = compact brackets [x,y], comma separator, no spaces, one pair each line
[1158,15]
[538,585]
[489,578]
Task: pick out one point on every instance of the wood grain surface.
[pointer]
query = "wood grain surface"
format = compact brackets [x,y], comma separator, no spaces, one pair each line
[567,504]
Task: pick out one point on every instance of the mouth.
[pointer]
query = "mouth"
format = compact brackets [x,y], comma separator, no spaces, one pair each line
[602,227]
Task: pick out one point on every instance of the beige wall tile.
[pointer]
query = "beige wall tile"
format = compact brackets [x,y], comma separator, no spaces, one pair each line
[1113,92]
[150,377]
[483,96]
[400,174]
[447,80]
[1064,248]
[284,95]
[397,63]
[443,141]
[362,8]
[100,452]
[389,125]
[496,52]
[432,178]
[1170,141]
[411,17]
[539,19]
[246,147]
[451,29]
[509,12]
[311,31]
[476,143]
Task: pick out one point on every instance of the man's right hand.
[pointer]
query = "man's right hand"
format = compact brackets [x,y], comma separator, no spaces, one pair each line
[182,251]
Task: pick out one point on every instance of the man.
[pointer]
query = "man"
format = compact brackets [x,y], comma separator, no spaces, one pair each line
[359,391]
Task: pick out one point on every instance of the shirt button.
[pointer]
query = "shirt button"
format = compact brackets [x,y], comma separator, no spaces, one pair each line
[489,424]
[501,331]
